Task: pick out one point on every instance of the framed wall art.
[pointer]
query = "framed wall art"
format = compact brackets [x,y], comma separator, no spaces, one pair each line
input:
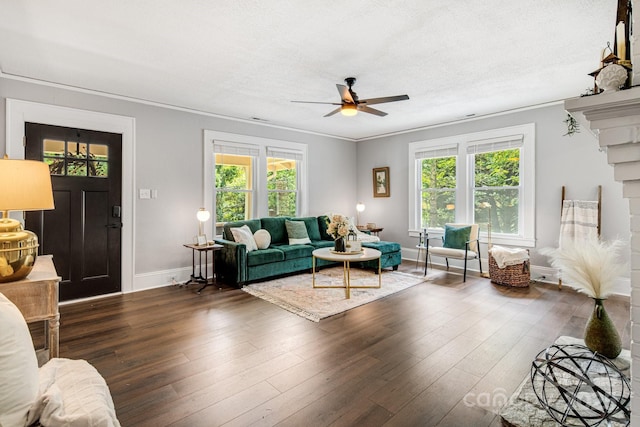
[381,186]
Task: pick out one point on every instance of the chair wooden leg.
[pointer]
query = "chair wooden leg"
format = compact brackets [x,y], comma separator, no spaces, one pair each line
[447,261]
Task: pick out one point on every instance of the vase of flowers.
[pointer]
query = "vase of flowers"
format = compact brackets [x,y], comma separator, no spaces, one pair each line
[592,266]
[339,228]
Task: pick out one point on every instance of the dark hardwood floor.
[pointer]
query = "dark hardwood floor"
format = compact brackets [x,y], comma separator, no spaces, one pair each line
[440,353]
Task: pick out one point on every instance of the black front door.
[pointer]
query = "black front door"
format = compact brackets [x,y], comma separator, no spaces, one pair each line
[83,232]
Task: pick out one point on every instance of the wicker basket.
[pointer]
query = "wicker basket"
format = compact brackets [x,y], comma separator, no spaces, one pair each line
[517,275]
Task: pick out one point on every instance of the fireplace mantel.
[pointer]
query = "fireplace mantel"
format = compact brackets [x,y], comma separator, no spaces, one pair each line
[614,118]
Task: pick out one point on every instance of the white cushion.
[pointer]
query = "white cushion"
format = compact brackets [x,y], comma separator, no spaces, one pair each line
[73,394]
[244,235]
[262,238]
[18,366]
[451,253]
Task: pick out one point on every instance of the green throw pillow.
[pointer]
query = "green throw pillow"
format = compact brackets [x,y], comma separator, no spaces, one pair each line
[297,232]
[456,237]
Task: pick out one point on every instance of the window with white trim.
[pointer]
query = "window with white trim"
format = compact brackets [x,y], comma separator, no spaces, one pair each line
[437,169]
[234,172]
[282,182]
[485,178]
[251,177]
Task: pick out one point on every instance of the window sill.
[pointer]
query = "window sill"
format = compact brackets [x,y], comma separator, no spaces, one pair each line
[495,239]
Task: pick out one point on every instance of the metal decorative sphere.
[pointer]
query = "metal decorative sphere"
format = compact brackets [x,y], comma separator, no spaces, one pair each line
[578,387]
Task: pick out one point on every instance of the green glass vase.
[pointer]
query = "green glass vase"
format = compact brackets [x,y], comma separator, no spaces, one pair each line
[600,334]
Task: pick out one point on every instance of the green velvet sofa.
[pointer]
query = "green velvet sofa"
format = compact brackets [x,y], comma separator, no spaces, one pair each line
[237,266]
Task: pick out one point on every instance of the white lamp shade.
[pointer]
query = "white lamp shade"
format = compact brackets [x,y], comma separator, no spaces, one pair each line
[203,215]
[360,207]
[25,185]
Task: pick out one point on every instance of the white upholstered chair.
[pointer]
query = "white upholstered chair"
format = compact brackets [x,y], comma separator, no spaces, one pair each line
[61,393]
[460,241]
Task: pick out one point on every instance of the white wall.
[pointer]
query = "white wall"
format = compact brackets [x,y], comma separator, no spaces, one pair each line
[573,161]
[168,158]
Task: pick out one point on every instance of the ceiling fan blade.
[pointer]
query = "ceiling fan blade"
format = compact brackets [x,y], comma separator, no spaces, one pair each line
[333,112]
[315,102]
[384,99]
[345,95]
[370,110]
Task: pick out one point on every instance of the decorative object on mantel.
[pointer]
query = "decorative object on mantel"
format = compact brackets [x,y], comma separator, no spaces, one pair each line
[572,125]
[612,77]
[592,267]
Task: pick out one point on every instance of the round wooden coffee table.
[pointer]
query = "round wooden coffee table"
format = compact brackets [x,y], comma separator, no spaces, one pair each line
[329,254]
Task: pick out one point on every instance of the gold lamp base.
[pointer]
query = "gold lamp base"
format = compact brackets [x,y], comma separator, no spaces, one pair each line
[18,250]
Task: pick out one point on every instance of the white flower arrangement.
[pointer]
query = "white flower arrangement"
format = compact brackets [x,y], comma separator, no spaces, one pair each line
[339,226]
[591,265]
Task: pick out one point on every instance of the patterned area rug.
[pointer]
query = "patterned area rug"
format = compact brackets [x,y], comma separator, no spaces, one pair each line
[296,294]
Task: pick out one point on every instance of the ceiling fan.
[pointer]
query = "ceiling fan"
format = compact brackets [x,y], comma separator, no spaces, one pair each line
[350,104]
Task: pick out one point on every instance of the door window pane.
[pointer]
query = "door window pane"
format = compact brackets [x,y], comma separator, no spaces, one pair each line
[70,158]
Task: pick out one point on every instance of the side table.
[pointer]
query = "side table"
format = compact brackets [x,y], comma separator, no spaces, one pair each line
[200,278]
[36,296]
[372,231]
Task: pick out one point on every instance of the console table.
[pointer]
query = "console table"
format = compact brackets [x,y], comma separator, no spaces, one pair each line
[36,296]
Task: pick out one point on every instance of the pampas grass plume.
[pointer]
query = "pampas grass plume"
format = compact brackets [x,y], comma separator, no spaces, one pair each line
[591,266]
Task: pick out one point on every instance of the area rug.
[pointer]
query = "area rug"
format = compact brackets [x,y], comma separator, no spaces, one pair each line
[296,294]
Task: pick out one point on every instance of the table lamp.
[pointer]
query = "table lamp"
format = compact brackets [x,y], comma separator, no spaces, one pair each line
[203,216]
[359,208]
[26,186]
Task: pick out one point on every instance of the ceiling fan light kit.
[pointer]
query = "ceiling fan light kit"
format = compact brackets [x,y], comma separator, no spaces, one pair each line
[350,103]
[349,110]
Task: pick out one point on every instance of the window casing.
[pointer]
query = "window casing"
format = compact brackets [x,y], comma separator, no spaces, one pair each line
[251,177]
[493,177]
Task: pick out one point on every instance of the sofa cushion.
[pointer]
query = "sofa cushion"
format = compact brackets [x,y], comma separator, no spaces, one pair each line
[297,232]
[264,256]
[311,222]
[244,235]
[323,224]
[384,247]
[18,366]
[296,251]
[253,224]
[275,226]
[262,238]
[456,237]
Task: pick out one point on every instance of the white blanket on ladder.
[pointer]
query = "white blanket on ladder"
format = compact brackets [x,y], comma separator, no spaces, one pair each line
[579,221]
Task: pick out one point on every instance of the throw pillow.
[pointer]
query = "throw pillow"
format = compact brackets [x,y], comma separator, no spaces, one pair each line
[456,237]
[297,232]
[262,238]
[18,366]
[244,235]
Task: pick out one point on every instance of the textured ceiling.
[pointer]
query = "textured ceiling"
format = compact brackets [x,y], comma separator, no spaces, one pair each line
[248,59]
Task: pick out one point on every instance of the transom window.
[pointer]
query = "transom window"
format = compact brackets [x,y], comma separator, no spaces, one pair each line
[76,159]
